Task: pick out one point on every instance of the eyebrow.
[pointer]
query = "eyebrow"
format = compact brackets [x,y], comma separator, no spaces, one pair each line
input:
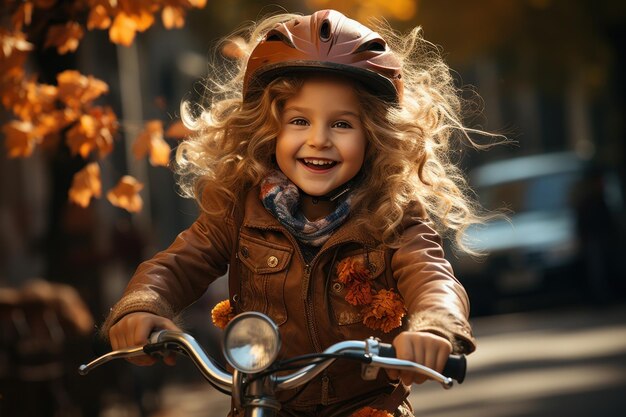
[336,114]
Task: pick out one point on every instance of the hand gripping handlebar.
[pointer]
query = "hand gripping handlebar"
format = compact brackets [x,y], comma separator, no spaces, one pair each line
[371,352]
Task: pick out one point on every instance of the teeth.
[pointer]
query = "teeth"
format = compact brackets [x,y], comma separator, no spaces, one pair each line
[318,162]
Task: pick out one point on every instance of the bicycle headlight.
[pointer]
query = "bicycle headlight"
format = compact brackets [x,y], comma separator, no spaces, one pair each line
[251,342]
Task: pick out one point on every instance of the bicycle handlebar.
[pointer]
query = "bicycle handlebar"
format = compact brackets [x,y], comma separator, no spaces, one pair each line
[374,353]
[165,340]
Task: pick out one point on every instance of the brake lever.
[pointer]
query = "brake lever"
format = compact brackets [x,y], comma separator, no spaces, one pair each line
[116,354]
[154,347]
[403,365]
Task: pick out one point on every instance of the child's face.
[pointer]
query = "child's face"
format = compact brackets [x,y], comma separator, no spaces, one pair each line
[321,144]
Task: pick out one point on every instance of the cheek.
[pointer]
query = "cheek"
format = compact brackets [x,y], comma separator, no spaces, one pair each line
[355,153]
[283,152]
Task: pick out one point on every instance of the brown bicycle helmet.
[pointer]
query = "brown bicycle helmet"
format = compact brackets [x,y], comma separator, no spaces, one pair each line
[325,41]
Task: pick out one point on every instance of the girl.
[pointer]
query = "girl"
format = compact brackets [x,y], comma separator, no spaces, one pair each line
[323,178]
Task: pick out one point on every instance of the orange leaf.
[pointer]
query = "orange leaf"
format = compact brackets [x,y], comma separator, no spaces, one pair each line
[14,49]
[50,123]
[29,100]
[23,15]
[125,194]
[20,138]
[173,17]
[80,138]
[94,131]
[123,29]
[98,18]
[177,130]
[85,185]
[45,97]
[64,37]
[41,99]
[76,89]
[14,42]
[151,140]
[160,152]
[107,128]
[144,19]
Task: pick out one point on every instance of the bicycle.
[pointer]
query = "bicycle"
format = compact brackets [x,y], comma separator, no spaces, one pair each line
[251,344]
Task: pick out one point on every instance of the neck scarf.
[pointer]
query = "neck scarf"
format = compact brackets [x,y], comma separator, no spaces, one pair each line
[281,197]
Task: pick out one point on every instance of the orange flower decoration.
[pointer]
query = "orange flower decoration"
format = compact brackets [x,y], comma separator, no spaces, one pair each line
[359,293]
[350,270]
[385,312]
[371,412]
[222,313]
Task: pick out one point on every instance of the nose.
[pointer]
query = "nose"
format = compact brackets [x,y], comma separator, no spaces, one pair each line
[319,137]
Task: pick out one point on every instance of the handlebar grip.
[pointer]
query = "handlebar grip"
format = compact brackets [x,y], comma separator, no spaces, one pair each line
[386,350]
[455,367]
[156,345]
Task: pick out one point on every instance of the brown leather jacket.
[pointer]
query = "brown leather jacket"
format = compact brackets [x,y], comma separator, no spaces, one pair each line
[305,300]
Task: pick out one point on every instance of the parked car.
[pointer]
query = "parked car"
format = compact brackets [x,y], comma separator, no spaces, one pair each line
[557,240]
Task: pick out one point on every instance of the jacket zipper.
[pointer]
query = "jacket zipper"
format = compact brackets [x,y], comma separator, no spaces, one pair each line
[308,285]
[309,308]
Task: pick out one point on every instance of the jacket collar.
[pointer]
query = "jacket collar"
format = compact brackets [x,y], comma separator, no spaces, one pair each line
[258,217]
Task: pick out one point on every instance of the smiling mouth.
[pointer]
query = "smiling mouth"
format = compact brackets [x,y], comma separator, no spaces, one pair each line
[318,164]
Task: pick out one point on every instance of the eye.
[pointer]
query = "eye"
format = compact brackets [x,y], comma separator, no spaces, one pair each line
[299,122]
[342,125]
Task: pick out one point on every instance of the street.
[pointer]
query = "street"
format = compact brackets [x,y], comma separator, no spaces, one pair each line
[566,363]
[558,363]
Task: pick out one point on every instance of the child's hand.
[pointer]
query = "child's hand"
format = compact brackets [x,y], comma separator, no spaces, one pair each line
[134,329]
[424,348]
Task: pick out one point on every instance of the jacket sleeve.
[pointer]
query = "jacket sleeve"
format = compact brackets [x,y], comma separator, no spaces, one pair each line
[179,275]
[436,301]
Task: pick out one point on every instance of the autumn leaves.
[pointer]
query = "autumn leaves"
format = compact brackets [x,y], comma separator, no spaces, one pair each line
[123,18]
[87,183]
[45,115]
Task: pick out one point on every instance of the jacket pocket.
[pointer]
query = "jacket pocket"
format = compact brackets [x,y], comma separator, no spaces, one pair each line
[344,312]
[263,275]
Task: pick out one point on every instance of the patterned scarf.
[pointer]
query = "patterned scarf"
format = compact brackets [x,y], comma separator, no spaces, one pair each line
[281,197]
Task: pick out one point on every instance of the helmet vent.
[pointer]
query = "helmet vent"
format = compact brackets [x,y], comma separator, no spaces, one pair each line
[325,31]
[276,36]
[373,45]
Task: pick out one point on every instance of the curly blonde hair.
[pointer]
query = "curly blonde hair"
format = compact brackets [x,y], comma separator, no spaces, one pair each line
[408,157]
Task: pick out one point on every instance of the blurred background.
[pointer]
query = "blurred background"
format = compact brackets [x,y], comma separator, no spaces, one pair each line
[548,298]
